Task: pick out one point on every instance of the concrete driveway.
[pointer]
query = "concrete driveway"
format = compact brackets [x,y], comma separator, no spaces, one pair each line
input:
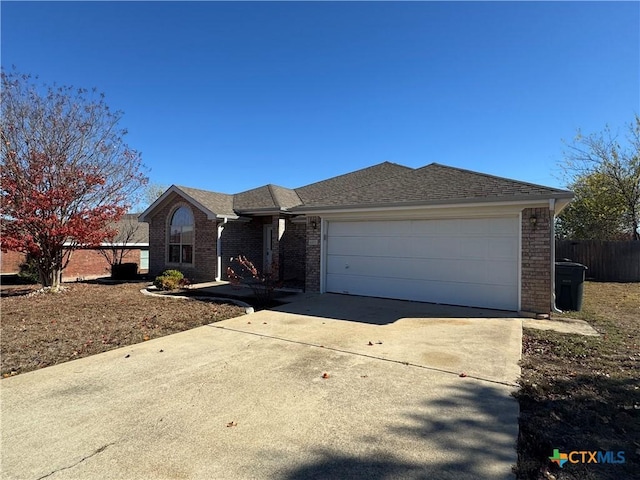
[246,398]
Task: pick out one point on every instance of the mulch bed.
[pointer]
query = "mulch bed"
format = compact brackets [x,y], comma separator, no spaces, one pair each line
[42,329]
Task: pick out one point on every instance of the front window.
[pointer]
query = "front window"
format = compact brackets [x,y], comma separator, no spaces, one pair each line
[181,236]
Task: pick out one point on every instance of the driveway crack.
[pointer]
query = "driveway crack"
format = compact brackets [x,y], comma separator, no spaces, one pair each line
[95,452]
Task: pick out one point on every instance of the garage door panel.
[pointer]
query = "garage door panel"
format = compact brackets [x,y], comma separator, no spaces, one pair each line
[458,261]
[339,229]
[447,227]
[377,246]
[436,247]
[421,229]
[476,226]
[396,268]
[471,247]
[507,226]
[433,291]
[502,248]
[357,245]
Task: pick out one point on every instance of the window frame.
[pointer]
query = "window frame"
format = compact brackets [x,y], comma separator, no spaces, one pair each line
[183,250]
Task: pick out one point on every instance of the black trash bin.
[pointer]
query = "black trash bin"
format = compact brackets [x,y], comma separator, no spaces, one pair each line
[569,285]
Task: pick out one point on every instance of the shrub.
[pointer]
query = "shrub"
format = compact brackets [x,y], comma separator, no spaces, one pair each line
[262,284]
[29,271]
[170,280]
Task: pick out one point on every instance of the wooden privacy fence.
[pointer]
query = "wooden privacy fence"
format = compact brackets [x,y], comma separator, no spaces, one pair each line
[607,261]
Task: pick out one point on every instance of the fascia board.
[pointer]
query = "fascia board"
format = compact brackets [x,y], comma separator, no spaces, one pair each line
[264,211]
[519,204]
[172,189]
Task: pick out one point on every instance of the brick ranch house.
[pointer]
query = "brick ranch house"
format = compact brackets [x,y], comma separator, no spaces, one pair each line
[88,262]
[434,234]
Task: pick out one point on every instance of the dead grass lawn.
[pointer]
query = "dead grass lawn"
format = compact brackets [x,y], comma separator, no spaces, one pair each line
[88,318]
[583,393]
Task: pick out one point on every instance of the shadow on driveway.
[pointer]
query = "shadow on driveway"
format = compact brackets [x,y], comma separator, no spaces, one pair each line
[381,311]
[483,440]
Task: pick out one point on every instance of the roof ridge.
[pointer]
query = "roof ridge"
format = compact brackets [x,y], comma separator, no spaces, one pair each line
[182,187]
[386,162]
[272,194]
[276,191]
[488,175]
[367,185]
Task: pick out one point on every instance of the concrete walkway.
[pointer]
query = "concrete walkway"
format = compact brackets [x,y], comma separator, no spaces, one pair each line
[325,387]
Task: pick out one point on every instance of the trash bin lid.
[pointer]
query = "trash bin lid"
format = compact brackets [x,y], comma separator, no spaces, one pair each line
[571,265]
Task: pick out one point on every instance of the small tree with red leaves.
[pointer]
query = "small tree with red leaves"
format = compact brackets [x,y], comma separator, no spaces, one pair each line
[263,284]
[67,174]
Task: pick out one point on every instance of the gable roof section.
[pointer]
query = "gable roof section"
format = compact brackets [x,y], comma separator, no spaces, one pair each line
[213,204]
[137,231]
[221,204]
[437,184]
[333,188]
[268,197]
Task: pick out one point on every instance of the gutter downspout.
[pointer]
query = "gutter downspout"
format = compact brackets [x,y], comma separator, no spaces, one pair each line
[552,208]
[220,228]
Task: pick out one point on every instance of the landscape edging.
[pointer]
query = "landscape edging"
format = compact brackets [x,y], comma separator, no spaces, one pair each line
[247,308]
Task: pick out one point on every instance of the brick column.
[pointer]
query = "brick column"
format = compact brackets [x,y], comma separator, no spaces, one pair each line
[536,260]
[312,271]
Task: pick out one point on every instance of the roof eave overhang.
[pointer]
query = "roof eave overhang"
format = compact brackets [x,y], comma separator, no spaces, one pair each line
[265,211]
[523,201]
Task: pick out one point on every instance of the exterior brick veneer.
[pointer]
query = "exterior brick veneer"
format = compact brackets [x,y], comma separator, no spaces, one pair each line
[238,237]
[85,263]
[11,261]
[293,252]
[536,260]
[312,274]
[204,252]
[242,238]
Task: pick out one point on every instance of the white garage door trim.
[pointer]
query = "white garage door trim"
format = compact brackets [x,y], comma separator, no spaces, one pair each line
[472,261]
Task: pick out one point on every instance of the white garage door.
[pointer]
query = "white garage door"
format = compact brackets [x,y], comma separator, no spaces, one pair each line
[471,262]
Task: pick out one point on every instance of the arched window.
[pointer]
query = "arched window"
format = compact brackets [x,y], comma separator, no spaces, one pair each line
[181,236]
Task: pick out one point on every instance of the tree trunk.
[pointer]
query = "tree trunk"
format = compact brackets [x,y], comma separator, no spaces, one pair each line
[50,269]
[50,277]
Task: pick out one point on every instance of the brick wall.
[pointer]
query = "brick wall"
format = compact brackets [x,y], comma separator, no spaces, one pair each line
[158,240]
[536,260]
[312,273]
[87,263]
[238,238]
[243,238]
[293,252]
[204,252]
[11,261]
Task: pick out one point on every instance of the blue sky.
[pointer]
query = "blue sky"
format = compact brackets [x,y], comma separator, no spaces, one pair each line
[230,96]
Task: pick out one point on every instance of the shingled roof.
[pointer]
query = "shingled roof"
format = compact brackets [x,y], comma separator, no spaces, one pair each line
[129,226]
[320,192]
[433,184]
[264,198]
[218,203]
[385,184]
